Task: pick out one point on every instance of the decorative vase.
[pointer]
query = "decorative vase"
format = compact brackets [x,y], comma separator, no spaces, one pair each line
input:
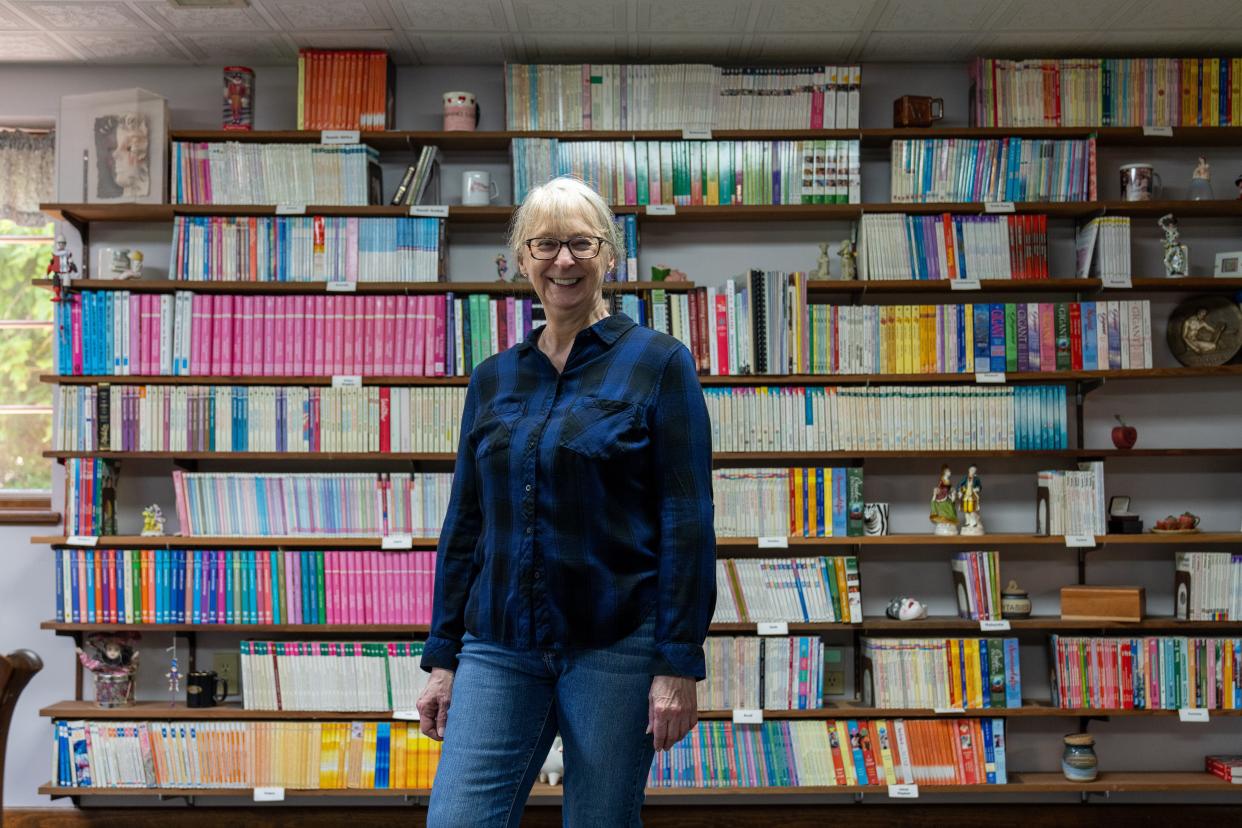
[114,690]
[1078,762]
[1015,602]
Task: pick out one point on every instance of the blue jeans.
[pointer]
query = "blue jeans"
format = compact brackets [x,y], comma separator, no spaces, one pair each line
[506,708]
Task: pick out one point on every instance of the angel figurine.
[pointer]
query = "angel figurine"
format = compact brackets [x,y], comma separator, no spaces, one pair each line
[153,521]
[849,259]
[823,269]
[968,494]
[943,511]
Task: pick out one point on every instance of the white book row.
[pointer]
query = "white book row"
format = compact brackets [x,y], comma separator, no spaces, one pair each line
[230,172]
[824,589]
[1072,502]
[1103,248]
[769,673]
[340,676]
[1208,586]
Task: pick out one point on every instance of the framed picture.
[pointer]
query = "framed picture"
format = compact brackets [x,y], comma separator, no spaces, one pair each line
[112,148]
[1229,265]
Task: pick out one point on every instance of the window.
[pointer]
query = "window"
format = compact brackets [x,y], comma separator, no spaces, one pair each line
[26,338]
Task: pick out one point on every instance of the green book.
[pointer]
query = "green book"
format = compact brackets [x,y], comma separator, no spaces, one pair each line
[996,671]
[728,178]
[1011,337]
[321,612]
[1061,329]
[854,502]
[278,587]
[642,187]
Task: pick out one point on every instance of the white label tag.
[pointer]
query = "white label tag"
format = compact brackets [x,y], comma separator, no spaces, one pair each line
[1117,280]
[773,627]
[346,381]
[290,209]
[1193,714]
[661,209]
[1157,132]
[998,206]
[942,710]
[269,794]
[340,136]
[748,717]
[994,626]
[82,540]
[773,542]
[397,542]
[965,284]
[696,134]
[990,377]
[903,791]
[429,210]
[1079,541]
[1235,775]
[405,715]
[342,286]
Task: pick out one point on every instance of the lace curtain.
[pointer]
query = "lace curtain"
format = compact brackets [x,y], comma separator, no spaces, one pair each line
[27,175]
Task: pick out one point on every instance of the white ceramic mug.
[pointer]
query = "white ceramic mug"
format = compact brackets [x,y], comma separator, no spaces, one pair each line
[477,187]
[1139,182]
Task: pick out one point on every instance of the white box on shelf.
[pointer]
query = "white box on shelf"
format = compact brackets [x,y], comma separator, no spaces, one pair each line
[112,148]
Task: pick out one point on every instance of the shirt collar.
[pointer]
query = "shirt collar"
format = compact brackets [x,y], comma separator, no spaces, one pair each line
[608,330]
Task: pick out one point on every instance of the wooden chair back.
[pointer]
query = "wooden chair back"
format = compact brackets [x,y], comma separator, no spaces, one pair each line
[16,670]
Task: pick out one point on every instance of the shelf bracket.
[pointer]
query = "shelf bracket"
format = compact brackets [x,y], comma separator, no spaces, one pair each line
[858,797]
[185,464]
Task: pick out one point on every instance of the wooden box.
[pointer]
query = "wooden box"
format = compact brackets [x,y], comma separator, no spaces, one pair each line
[1102,603]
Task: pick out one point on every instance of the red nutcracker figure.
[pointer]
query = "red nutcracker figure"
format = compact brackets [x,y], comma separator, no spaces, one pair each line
[238,97]
[61,268]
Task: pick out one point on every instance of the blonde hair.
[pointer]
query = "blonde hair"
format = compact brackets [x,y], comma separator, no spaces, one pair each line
[550,207]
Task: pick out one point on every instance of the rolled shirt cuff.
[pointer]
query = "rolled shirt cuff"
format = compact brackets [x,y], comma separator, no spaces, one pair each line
[440,652]
[676,658]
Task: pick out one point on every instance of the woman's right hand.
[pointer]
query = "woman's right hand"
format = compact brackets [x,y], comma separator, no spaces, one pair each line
[433,704]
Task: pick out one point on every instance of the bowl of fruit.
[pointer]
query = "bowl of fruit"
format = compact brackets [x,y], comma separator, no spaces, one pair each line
[1184,524]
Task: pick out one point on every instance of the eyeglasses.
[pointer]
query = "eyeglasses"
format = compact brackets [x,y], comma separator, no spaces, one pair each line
[580,247]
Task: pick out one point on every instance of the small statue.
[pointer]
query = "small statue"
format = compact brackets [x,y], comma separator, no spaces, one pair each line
[134,271]
[153,521]
[675,275]
[943,512]
[968,493]
[61,268]
[906,609]
[174,672]
[502,267]
[113,663]
[1176,254]
[823,271]
[1201,181]
[1200,335]
[849,264]
[553,770]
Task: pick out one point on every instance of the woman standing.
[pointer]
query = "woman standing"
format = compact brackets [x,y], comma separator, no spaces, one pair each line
[575,576]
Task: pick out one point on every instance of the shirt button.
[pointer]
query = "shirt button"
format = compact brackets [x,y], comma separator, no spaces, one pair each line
[528,487]
[530,530]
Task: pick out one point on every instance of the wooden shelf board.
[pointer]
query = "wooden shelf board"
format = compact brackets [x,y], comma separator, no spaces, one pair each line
[493,287]
[1067,285]
[1046,623]
[212,380]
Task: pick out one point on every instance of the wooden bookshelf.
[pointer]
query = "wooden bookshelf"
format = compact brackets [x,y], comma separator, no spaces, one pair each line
[1067,285]
[494,287]
[321,630]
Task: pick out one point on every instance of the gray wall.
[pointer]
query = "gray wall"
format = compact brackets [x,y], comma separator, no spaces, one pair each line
[711,253]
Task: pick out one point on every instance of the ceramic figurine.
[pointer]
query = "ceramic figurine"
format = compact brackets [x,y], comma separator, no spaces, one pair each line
[968,493]
[875,519]
[849,262]
[1201,181]
[943,512]
[152,521]
[174,671]
[553,770]
[113,663]
[1078,762]
[906,609]
[61,268]
[1176,254]
[502,266]
[823,269]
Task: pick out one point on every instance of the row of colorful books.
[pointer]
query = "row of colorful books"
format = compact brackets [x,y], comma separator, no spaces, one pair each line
[898,246]
[815,502]
[224,754]
[1146,673]
[993,169]
[344,89]
[256,418]
[768,673]
[835,753]
[976,584]
[970,673]
[680,96]
[90,496]
[307,249]
[1071,502]
[823,589]
[1207,586]
[352,676]
[119,333]
[344,504]
[1106,92]
[293,175]
[690,173]
[236,586]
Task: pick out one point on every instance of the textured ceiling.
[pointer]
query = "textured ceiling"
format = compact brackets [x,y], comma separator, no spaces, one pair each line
[269,32]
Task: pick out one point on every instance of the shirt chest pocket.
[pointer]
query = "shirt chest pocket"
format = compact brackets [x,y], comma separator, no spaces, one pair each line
[493,431]
[602,429]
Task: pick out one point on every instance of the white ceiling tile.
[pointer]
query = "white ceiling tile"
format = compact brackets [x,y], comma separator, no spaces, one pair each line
[451,15]
[935,15]
[85,16]
[912,47]
[17,47]
[1182,14]
[10,19]
[703,48]
[814,15]
[693,15]
[807,48]
[173,18]
[562,18]
[325,14]
[125,47]
[1028,44]
[595,48]
[1132,43]
[1079,15]
[348,40]
[265,49]
[453,48]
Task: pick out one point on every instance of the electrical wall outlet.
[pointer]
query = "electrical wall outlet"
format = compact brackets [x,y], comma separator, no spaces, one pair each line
[228,667]
[834,671]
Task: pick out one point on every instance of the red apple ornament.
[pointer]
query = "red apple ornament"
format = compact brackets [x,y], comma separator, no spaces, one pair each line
[1124,436]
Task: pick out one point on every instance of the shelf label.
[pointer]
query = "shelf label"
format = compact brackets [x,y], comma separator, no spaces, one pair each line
[405,715]
[773,627]
[998,206]
[748,717]
[1117,280]
[990,377]
[342,286]
[1193,714]
[1157,132]
[82,540]
[1235,776]
[940,711]
[661,209]
[994,626]
[290,209]
[903,791]
[269,794]
[965,284]
[346,381]
[398,541]
[429,210]
[1079,541]
[339,136]
[696,134]
[773,542]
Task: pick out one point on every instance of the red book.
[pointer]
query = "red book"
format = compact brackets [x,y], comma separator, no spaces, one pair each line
[864,744]
[385,400]
[693,306]
[1075,315]
[722,334]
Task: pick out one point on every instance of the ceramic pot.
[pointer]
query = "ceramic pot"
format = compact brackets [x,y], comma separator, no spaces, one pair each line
[1078,762]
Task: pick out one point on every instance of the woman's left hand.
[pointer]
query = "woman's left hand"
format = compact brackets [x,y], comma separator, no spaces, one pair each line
[672,709]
